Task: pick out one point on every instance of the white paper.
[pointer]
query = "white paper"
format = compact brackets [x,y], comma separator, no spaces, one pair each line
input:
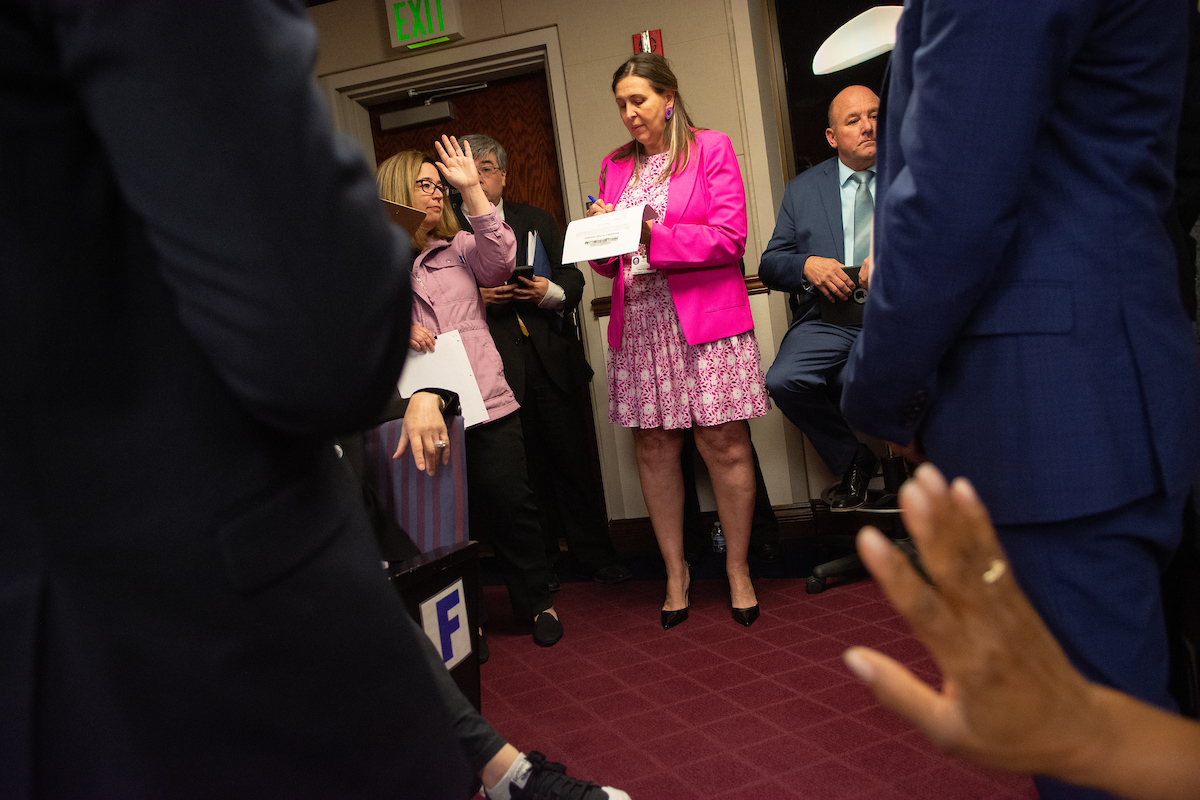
[447,367]
[605,235]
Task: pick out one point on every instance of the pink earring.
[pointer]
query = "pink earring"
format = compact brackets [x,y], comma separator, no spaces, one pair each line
[669,110]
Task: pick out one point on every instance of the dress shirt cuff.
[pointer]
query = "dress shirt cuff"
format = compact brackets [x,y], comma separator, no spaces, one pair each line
[555,296]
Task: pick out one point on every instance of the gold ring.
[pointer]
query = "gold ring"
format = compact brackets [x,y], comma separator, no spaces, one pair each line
[999,567]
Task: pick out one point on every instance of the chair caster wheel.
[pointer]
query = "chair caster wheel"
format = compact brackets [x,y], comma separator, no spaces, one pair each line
[814,585]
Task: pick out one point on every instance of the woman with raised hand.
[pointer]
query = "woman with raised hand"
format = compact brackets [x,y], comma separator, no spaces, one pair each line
[682,352]
[446,276]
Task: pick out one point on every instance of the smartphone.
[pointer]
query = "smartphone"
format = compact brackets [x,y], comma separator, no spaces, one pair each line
[521,272]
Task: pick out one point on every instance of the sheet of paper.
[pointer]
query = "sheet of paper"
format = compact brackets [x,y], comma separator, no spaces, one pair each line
[447,367]
[605,235]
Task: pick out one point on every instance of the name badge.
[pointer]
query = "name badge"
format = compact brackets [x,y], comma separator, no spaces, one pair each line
[639,265]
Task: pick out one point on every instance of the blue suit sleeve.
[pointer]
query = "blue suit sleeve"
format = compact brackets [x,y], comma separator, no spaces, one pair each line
[983,75]
[782,264]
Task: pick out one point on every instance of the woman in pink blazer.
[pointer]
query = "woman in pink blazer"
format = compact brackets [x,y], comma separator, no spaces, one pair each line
[681,346]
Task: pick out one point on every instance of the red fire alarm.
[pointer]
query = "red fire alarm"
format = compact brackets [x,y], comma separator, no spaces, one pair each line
[648,42]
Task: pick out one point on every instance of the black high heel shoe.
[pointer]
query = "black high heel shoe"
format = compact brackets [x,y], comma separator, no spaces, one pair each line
[672,618]
[744,616]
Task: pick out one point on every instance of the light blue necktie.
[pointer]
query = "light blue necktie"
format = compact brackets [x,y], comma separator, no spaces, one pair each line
[864,209]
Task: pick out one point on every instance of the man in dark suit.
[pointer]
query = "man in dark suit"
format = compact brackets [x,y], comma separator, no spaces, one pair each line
[533,325]
[824,225]
[1024,325]
[199,290]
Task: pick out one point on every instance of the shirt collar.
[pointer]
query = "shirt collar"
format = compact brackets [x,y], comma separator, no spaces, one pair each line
[845,172]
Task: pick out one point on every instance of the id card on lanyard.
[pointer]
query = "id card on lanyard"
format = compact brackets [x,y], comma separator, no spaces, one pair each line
[638,265]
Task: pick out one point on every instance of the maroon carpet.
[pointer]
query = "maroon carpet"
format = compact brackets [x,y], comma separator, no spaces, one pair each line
[712,710]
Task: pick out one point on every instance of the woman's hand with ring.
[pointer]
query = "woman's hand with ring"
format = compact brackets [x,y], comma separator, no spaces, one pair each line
[425,429]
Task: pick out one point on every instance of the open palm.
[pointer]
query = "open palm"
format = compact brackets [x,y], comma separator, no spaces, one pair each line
[456,165]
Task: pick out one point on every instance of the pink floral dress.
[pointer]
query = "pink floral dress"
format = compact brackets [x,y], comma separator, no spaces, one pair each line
[656,379]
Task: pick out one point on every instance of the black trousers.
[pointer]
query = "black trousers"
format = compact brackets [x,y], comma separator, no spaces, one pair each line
[499,499]
[556,448]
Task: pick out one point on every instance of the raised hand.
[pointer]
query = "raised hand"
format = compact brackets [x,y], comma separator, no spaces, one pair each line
[1010,697]
[458,168]
[456,165]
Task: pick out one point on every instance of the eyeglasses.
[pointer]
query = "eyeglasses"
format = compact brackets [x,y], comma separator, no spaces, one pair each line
[426,186]
[488,169]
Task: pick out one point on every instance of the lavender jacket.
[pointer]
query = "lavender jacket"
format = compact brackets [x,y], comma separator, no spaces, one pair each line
[699,241]
[446,277]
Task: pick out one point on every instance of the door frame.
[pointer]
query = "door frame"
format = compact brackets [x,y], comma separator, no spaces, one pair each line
[351,93]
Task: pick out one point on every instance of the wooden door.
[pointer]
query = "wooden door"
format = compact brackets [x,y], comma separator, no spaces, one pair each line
[513,111]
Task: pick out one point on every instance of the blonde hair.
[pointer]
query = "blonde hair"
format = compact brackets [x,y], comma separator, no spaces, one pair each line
[397,180]
[679,135]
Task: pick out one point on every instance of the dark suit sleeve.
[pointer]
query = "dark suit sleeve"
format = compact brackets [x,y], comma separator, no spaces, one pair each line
[566,276]
[782,264]
[985,74]
[284,271]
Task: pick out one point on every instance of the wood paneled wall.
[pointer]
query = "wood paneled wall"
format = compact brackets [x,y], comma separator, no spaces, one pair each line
[513,111]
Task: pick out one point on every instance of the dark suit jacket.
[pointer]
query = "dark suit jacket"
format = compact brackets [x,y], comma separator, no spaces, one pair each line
[1024,317]
[809,224]
[198,290]
[555,339]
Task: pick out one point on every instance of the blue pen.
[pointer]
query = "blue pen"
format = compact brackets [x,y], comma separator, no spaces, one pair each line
[591,199]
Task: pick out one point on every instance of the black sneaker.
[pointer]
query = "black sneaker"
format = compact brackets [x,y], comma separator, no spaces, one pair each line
[549,780]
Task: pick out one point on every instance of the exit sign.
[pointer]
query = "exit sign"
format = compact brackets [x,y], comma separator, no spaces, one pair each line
[420,23]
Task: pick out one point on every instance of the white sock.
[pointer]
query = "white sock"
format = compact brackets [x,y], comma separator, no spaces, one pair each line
[518,773]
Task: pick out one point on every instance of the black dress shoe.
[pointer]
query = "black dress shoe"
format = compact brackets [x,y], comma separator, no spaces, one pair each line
[613,573]
[555,584]
[746,616]
[547,630]
[484,652]
[766,551]
[852,491]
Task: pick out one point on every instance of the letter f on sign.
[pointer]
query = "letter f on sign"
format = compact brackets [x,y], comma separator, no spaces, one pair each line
[447,625]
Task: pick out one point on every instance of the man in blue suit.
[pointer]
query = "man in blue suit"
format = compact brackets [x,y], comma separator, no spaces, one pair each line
[1025,327]
[825,224]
